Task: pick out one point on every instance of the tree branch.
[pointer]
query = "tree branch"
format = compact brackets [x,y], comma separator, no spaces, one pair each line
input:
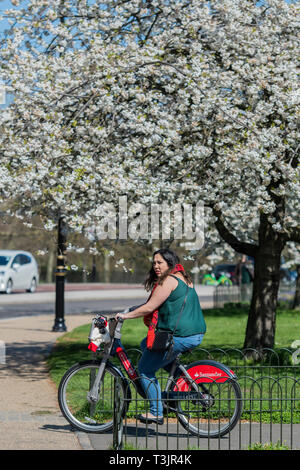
[293,235]
[248,249]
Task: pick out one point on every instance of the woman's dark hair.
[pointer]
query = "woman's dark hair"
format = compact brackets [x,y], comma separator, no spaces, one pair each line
[172,259]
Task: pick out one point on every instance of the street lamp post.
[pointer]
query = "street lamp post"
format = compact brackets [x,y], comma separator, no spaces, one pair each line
[59,324]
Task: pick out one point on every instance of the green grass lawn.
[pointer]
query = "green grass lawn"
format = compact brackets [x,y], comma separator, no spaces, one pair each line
[225,336]
[225,330]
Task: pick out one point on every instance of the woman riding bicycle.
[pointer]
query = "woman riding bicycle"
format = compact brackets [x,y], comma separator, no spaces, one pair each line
[169,283]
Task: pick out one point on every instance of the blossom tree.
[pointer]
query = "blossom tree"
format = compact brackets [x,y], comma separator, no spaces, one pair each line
[177,101]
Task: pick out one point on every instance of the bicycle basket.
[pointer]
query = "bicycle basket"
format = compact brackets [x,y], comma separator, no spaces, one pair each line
[98,333]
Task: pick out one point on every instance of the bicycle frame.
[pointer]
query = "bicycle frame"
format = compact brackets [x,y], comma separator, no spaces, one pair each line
[116,348]
[132,374]
[183,385]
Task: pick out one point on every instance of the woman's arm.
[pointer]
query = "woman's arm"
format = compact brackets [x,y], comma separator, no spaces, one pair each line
[160,294]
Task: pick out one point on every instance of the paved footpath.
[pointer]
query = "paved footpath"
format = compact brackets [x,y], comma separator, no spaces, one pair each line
[30,418]
[172,436]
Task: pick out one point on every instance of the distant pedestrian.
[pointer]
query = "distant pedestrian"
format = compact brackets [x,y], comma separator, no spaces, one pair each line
[242,273]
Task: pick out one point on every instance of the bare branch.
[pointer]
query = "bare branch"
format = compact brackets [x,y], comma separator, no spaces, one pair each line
[239,246]
[293,235]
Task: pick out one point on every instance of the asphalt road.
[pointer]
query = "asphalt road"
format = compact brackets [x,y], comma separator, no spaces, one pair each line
[74,307]
[82,299]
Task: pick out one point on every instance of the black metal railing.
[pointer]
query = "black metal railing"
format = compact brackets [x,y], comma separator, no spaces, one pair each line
[243,294]
[270,418]
[231,294]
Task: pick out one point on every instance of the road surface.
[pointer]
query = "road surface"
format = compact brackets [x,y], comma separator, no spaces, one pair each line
[83,298]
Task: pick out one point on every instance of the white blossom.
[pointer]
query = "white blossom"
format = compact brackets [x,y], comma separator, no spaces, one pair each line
[162,102]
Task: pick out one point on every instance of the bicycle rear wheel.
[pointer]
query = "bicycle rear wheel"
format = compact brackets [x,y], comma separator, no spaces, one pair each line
[210,407]
[72,396]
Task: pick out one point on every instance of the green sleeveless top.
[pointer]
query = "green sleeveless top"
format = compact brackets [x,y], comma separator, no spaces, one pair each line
[191,320]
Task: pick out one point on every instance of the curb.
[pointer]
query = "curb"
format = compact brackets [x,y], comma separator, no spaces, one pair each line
[84,440]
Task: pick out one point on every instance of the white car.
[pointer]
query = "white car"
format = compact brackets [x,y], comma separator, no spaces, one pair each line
[18,270]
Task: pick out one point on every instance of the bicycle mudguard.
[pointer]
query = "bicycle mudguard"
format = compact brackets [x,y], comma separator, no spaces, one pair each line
[204,372]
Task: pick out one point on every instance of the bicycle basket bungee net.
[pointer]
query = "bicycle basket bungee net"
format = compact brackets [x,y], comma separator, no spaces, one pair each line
[99,333]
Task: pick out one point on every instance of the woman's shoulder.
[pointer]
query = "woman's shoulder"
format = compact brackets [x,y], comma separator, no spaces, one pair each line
[181,277]
[169,283]
[170,280]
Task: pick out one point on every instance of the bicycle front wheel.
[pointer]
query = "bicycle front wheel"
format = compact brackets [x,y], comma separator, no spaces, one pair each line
[209,408]
[73,391]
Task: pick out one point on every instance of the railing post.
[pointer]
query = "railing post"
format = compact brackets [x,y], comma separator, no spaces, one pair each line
[118,419]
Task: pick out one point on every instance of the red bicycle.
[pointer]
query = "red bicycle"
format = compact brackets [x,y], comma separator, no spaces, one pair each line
[204,395]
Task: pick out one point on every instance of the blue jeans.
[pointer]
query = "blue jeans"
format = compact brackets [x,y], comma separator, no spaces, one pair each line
[151,361]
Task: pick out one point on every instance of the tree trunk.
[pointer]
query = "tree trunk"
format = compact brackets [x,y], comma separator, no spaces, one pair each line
[50,266]
[94,270]
[260,331]
[296,301]
[84,268]
[106,268]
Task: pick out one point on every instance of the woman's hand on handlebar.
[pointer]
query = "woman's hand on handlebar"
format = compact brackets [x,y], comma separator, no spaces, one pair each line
[120,316]
[139,311]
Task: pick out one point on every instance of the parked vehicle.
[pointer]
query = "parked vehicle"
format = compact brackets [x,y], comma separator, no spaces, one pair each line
[18,270]
[227,270]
